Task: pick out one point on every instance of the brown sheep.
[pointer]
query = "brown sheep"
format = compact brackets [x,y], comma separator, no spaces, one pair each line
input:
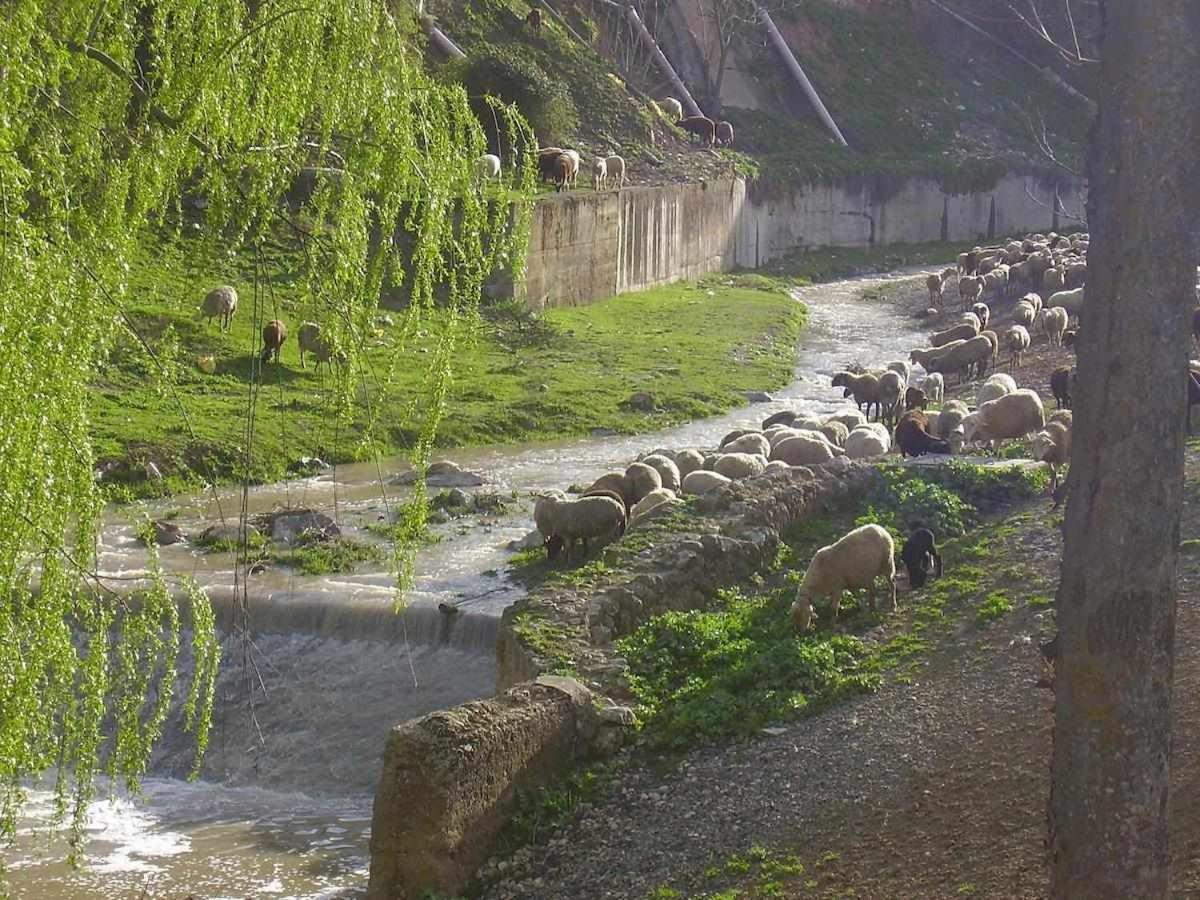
[702,126]
[915,398]
[547,156]
[913,437]
[963,332]
[310,339]
[563,171]
[864,388]
[724,134]
[935,284]
[1060,386]
[274,333]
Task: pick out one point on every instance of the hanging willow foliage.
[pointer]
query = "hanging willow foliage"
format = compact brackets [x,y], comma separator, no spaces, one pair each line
[109,113]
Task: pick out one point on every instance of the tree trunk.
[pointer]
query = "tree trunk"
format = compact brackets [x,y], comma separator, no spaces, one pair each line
[1116,600]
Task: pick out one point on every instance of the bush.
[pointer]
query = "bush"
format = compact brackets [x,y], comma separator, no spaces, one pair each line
[542,99]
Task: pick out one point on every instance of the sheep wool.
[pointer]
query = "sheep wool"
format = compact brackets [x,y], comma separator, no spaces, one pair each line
[854,562]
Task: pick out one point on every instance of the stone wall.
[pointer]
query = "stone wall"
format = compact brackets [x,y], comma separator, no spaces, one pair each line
[587,246]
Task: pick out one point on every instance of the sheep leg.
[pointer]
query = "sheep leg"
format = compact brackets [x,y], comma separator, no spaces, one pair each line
[835,605]
[892,592]
[937,563]
[871,595]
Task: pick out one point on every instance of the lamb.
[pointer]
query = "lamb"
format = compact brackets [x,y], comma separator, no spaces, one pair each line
[616,169]
[962,332]
[852,563]
[948,273]
[1061,380]
[1024,314]
[310,340]
[891,386]
[599,173]
[1053,322]
[749,443]
[915,398]
[1016,339]
[672,107]
[220,302]
[640,479]
[487,167]
[983,312]
[934,387]
[950,418]
[701,126]
[563,522]
[703,481]
[688,461]
[935,286]
[1011,416]
[866,441]
[996,386]
[836,433]
[274,333]
[807,449]
[913,437]
[865,389]
[668,471]
[736,466]
[921,558]
[1053,445]
[970,289]
[724,134]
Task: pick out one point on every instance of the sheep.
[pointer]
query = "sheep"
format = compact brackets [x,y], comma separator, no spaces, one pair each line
[310,340]
[949,418]
[736,466]
[996,386]
[928,357]
[576,164]
[891,388]
[614,482]
[668,471]
[1053,322]
[688,461]
[703,481]
[563,522]
[701,126]
[836,433]
[902,368]
[1034,300]
[983,313]
[487,167]
[652,502]
[970,356]
[563,172]
[749,443]
[807,449]
[640,479]
[865,389]
[1053,280]
[534,19]
[672,107]
[913,437]
[969,317]
[616,169]
[1071,301]
[599,173]
[851,418]
[1052,445]
[864,442]
[724,134]
[935,285]
[1016,339]
[783,417]
[547,160]
[1024,314]
[996,279]
[934,386]
[970,290]
[994,340]
[948,273]
[220,302]
[852,563]
[1011,416]
[915,398]
[921,558]
[962,332]
[1061,380]
[274,333]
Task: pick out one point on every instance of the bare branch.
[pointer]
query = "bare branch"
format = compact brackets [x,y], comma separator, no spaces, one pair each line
[1057,208]
[1035,24]
[1042,138]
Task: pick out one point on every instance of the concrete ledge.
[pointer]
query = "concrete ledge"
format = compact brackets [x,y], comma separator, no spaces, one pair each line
[450,779]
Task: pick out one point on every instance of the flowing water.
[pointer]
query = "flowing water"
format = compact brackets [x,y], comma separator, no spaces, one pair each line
[285,804]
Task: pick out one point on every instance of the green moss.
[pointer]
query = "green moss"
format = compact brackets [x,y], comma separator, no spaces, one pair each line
[547,640]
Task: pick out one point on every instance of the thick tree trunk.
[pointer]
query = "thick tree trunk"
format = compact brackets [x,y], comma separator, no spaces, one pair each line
[1116,601]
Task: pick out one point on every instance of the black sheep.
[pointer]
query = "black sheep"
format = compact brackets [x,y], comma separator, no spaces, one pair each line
[913,437]
[921,558]
[1060,386]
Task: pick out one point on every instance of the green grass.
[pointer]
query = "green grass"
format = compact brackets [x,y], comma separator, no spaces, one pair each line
[522,378]
[324,557]
[995,606]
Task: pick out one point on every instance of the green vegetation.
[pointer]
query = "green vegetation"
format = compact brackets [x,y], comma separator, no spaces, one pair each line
[320,556]
[548,640]
[995,606]
[540,812]
[829,263]
[520,378]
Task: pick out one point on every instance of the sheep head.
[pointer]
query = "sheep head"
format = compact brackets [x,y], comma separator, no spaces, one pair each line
[802,612]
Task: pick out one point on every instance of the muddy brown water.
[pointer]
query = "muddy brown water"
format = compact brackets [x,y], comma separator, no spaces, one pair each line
[283,808]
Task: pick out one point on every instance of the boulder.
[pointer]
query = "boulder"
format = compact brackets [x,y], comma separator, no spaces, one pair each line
[442,473]
[288,525]
[642,401]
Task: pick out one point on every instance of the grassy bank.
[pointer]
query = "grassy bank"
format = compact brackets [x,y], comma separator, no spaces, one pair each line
[516,377]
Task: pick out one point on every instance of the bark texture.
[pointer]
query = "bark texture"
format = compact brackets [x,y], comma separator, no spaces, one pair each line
[1116,600]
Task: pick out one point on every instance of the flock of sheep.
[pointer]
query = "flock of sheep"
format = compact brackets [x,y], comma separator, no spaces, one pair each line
[221,303]
[898,398]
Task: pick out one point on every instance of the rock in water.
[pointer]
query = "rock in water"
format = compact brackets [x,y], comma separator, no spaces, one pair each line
[642,401]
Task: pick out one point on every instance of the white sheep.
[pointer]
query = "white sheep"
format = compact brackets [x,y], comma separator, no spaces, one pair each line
[996,386]
[1053,321]
[806,449]
[851,418]
[749,443]
[891,393]
[310,340]
[220,301]
[970,318]
[702,481]
[736,466]
[983,313]
[865,442]
[1071,301]
[934,387]
[640,480]
[1016,339]
[852,563]
[657,500]
[576,164]
[562,522]
[1024,314]
[949,418]
[599,173]
[1014,415]
[672,107]
[668,472]
[688,461]
[902,368]
[487,167]
[1053,445]
[616,169]
[836,433]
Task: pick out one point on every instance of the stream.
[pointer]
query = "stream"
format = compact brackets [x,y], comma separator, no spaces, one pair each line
[284,806]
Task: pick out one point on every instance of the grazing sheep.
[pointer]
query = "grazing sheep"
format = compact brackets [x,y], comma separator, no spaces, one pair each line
[701,126]
[983,313]
[688,461]
[836,433]
[563,522]
[809,448]
[996,386]
[935,285]
[949,418]
[703,481]
[1060,385]
[616,169]
[668,471]
[852,563]
[913,437]
[220,302]
[1016,339]
[891,389]
[1034,300]
[934,386]
[864,388]
[749,443]
[851,418]
[971,318]
[1014,415]
[921,558]
[736,466]
[274,333]
[928,357]
[996,278]
[915,398]
[970,290]
[310,340]
[563,169]
[487,167]
[599,173]
[962,332]
[672,107]
[1024,314]
[902,368]
[640,479]
[865,442]
[651,503]
[969,357]
[724,135]
[615,483]
[1053,445]
[1053,322]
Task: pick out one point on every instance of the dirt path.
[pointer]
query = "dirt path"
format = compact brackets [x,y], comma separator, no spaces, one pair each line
[935,788]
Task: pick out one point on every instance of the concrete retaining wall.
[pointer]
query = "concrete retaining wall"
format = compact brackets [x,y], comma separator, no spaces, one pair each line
[588,246]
